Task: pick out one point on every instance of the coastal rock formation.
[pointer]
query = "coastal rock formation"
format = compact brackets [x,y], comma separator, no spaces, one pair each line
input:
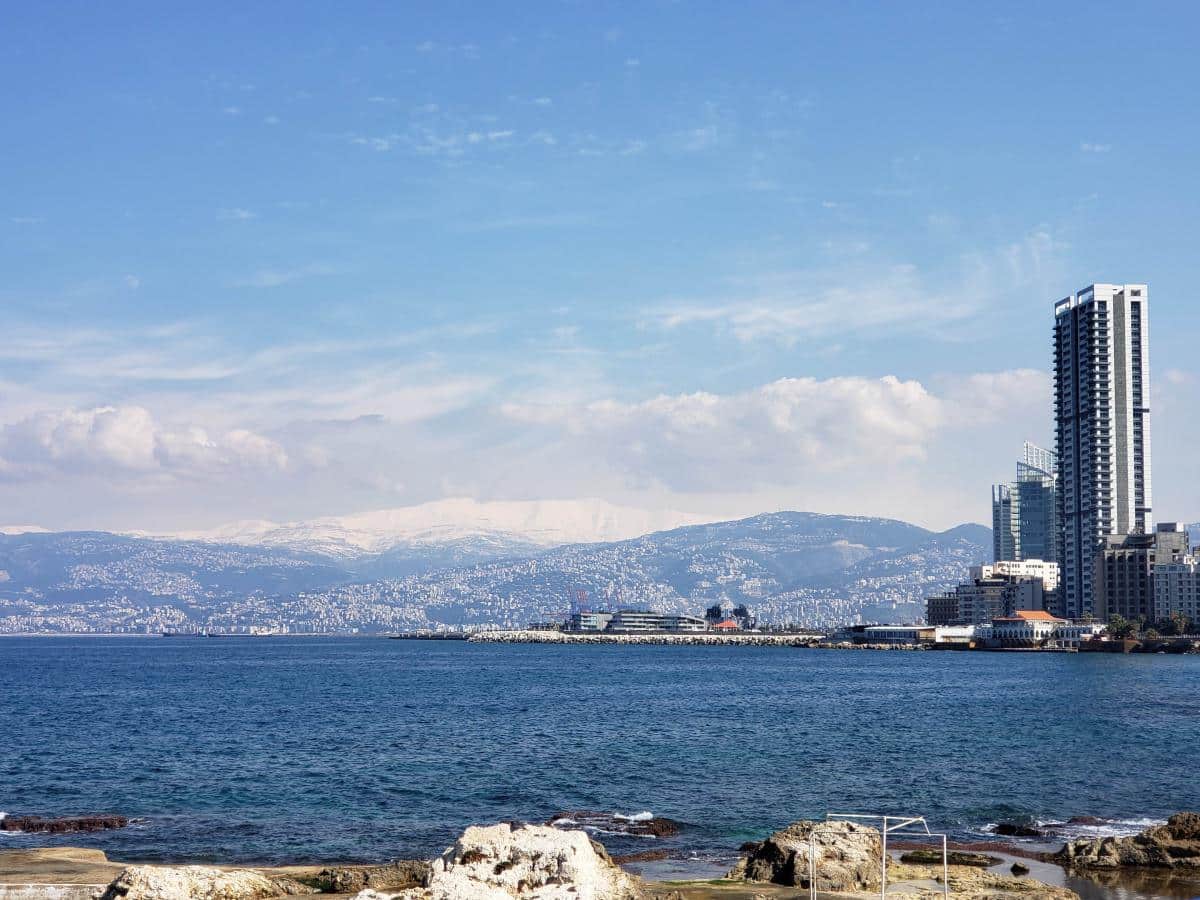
[1175,845]
[189,883]
[929,857]
[62,825]
[643,825]
[529,862]
[846,859]
[968,883]
[404,873]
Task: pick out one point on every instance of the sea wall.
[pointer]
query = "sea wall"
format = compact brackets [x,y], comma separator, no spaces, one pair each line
[682,638]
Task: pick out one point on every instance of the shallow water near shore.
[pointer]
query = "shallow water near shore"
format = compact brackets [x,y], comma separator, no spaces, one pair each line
[355,749]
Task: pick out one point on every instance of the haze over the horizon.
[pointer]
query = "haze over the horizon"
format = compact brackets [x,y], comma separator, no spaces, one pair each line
[299,261]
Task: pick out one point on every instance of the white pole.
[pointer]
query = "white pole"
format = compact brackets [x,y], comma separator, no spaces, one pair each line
[945,869]
[812,863]
[883,862]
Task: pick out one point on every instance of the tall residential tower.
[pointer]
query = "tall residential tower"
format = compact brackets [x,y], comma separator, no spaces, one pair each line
[1102,417]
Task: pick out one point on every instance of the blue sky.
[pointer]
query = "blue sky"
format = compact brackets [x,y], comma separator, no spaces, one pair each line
[304,260]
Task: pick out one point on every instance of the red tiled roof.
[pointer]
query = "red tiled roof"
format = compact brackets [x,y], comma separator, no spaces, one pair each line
[1030,615]
[728,625]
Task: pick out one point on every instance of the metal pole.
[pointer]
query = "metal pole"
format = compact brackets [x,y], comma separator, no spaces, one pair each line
[812,863]
[883,862]
[945,869]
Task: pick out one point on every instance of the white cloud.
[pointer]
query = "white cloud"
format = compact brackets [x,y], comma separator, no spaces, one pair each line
[129,440]
[236,214]
[789,306]
[268,278]
[1095,148]
[788,429]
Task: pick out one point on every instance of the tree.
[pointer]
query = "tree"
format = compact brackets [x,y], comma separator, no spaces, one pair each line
[1121,627]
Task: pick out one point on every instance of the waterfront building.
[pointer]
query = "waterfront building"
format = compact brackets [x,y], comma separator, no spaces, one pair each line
[582,620]
[1025,628]
[1126,568]
[1023,511]
[634,620]
[941,609]
[997,589]
[1177,589]
[915,634]
[1102,428]
[1069,635]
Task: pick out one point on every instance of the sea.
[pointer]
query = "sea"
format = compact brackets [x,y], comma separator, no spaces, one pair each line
[313,749]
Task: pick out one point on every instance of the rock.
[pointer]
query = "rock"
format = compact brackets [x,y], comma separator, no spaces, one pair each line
[968,883]
[530,862]
[1175,845]
[927,857]
[63,825]
[847,857]
[404,873]
[189,883]
[1019,869]
[1013,829]
[750,846]
[644,825]
[1085,820]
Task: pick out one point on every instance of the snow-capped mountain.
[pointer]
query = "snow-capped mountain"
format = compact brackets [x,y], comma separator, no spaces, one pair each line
[540,523]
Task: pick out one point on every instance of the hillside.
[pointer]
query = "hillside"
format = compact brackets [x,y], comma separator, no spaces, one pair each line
[790,567]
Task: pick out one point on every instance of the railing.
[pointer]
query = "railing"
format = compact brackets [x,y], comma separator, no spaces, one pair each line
[899,826]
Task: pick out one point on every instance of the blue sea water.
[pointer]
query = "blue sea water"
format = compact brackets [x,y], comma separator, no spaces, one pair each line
[315,749]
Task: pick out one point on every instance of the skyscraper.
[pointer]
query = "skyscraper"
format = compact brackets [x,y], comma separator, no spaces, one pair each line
[1102,419]
[1023,512]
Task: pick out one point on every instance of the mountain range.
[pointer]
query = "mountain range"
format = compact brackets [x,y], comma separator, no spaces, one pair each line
[476,565]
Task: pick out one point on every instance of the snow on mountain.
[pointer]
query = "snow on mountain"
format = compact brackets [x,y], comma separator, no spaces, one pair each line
[543,523]
[22,529]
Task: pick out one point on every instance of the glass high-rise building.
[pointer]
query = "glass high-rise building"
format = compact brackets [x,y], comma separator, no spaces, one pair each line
[1023,512]
[1102,425]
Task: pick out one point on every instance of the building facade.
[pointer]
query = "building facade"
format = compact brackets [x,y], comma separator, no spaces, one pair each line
[1023,512]
[1127,567]
[1177,590]
[1102,429]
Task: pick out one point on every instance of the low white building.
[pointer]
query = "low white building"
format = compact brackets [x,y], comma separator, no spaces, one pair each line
[1068,636]
[918,634]
[1025,628]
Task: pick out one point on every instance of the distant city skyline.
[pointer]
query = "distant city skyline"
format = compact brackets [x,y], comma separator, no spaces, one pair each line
[288,263]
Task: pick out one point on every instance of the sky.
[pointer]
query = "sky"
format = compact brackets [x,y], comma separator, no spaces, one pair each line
[308,259]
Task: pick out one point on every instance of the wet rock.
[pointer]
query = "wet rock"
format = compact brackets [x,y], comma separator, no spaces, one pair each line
[615,823]
[61,825]
[750,846]
[1175,845]
[1086,820]
[929,857]
[189,883]
[846,857]
[1019,869]
[404,873]
[1015,829]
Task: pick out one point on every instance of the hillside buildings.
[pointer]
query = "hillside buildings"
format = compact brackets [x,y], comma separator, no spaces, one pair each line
[1128,568]
[1102,426]
[1023,523]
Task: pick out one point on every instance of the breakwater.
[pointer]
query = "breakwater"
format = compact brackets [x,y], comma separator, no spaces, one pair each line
[689,639]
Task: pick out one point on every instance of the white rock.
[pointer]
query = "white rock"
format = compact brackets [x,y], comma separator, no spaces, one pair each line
[189,883]
[531,862]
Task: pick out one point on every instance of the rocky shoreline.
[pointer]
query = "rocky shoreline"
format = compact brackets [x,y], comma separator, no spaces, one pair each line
[561,861]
